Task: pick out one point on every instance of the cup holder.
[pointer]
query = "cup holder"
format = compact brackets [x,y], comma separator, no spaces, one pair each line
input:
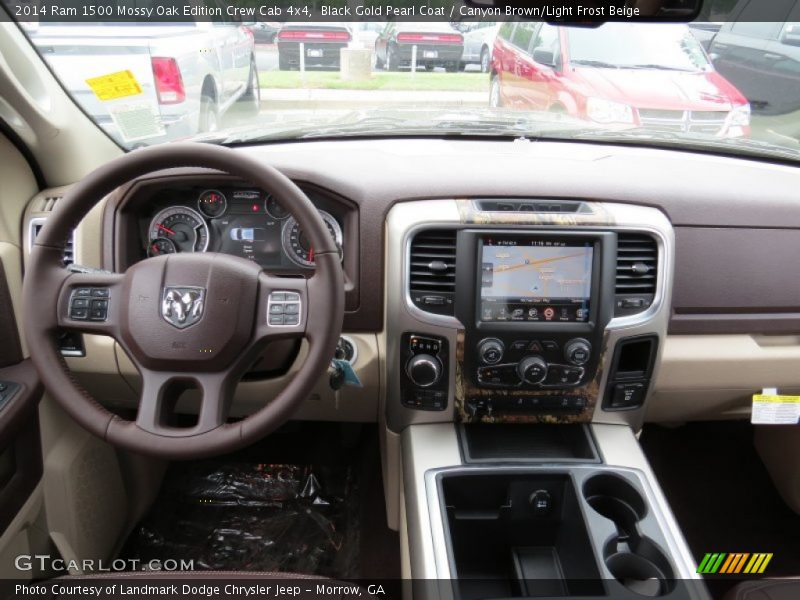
[616,500]
[632,559]
[637,574]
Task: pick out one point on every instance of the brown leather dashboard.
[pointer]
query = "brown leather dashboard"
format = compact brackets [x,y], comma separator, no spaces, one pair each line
[737,222]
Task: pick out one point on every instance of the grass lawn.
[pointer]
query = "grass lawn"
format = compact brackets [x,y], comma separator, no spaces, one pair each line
[402,81]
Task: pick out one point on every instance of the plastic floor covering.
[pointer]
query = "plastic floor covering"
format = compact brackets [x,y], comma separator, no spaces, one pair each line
[254,517]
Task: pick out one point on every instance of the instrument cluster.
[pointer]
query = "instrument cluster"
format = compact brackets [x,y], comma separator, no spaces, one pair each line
[242,222]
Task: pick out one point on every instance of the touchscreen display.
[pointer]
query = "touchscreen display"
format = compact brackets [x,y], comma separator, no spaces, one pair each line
[535,280]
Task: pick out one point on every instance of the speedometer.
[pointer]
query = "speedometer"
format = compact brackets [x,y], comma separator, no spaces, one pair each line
[181,225]
[298,247]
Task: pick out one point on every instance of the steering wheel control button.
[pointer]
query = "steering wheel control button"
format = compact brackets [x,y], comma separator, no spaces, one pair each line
[283,309]
[99,310]
[79,314]
[89,304]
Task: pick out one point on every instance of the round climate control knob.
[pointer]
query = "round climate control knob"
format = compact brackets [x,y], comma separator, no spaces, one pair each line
[532,369]
[424,370]
[578,351]
[490,351]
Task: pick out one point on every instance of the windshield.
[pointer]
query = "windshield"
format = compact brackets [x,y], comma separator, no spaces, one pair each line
[715,85]
[624,45]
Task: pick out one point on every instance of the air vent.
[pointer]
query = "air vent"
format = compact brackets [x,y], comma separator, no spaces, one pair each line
[49,203]
[432,270]
[637,267]
[69,249]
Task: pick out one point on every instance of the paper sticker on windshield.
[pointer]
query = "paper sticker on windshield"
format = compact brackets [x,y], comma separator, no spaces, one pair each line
[775,409]
[136,122]
[114,86]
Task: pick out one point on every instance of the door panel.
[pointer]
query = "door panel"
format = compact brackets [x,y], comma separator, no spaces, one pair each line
[20,391]
[20,388]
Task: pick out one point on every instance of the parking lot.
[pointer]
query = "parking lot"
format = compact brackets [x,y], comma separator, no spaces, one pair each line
[287,91]
[325,89]
[680,92]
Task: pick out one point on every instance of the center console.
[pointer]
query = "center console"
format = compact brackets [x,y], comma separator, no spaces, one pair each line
[534,306]
[522,338]
[561,525]
[524,312]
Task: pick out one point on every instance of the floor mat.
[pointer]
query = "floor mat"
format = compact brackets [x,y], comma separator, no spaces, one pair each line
[316,508]
[722,495]
[254,517]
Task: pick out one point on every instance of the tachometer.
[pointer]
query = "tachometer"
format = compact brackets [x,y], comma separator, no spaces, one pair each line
[298,247]
[212,203]
[182,226]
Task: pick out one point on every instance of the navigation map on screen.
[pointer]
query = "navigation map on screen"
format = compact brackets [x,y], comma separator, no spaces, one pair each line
[536,280]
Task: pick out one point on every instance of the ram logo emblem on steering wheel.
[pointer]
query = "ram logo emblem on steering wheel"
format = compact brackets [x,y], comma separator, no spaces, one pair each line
[182,306]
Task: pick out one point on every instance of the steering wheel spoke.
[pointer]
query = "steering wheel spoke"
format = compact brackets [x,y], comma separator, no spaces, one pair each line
[91,303]
[163,392]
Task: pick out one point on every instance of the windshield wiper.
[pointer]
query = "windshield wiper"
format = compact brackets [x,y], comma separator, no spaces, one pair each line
[657,67]
[376,126]
[406,122]
[594,63]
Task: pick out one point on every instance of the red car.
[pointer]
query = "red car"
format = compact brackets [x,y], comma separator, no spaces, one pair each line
[623,75]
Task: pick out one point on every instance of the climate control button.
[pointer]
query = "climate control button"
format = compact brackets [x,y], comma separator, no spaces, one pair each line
[490,351]
[532,370]
[578,351]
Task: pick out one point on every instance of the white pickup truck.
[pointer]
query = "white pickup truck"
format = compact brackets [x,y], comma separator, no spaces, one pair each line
[190,74]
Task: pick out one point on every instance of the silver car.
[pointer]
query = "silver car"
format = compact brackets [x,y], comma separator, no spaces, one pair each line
[179,78]
[478,44]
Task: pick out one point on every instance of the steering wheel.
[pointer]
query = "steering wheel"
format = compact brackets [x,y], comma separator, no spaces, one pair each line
[192,319]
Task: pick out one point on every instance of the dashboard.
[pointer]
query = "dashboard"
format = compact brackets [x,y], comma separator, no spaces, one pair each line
[553,297]
[235,220]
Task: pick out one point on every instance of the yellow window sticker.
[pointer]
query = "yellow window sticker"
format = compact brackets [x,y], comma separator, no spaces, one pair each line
[114,85]
[771,408]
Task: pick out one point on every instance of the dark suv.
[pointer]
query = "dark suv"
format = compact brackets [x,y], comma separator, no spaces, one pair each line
[762,59]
